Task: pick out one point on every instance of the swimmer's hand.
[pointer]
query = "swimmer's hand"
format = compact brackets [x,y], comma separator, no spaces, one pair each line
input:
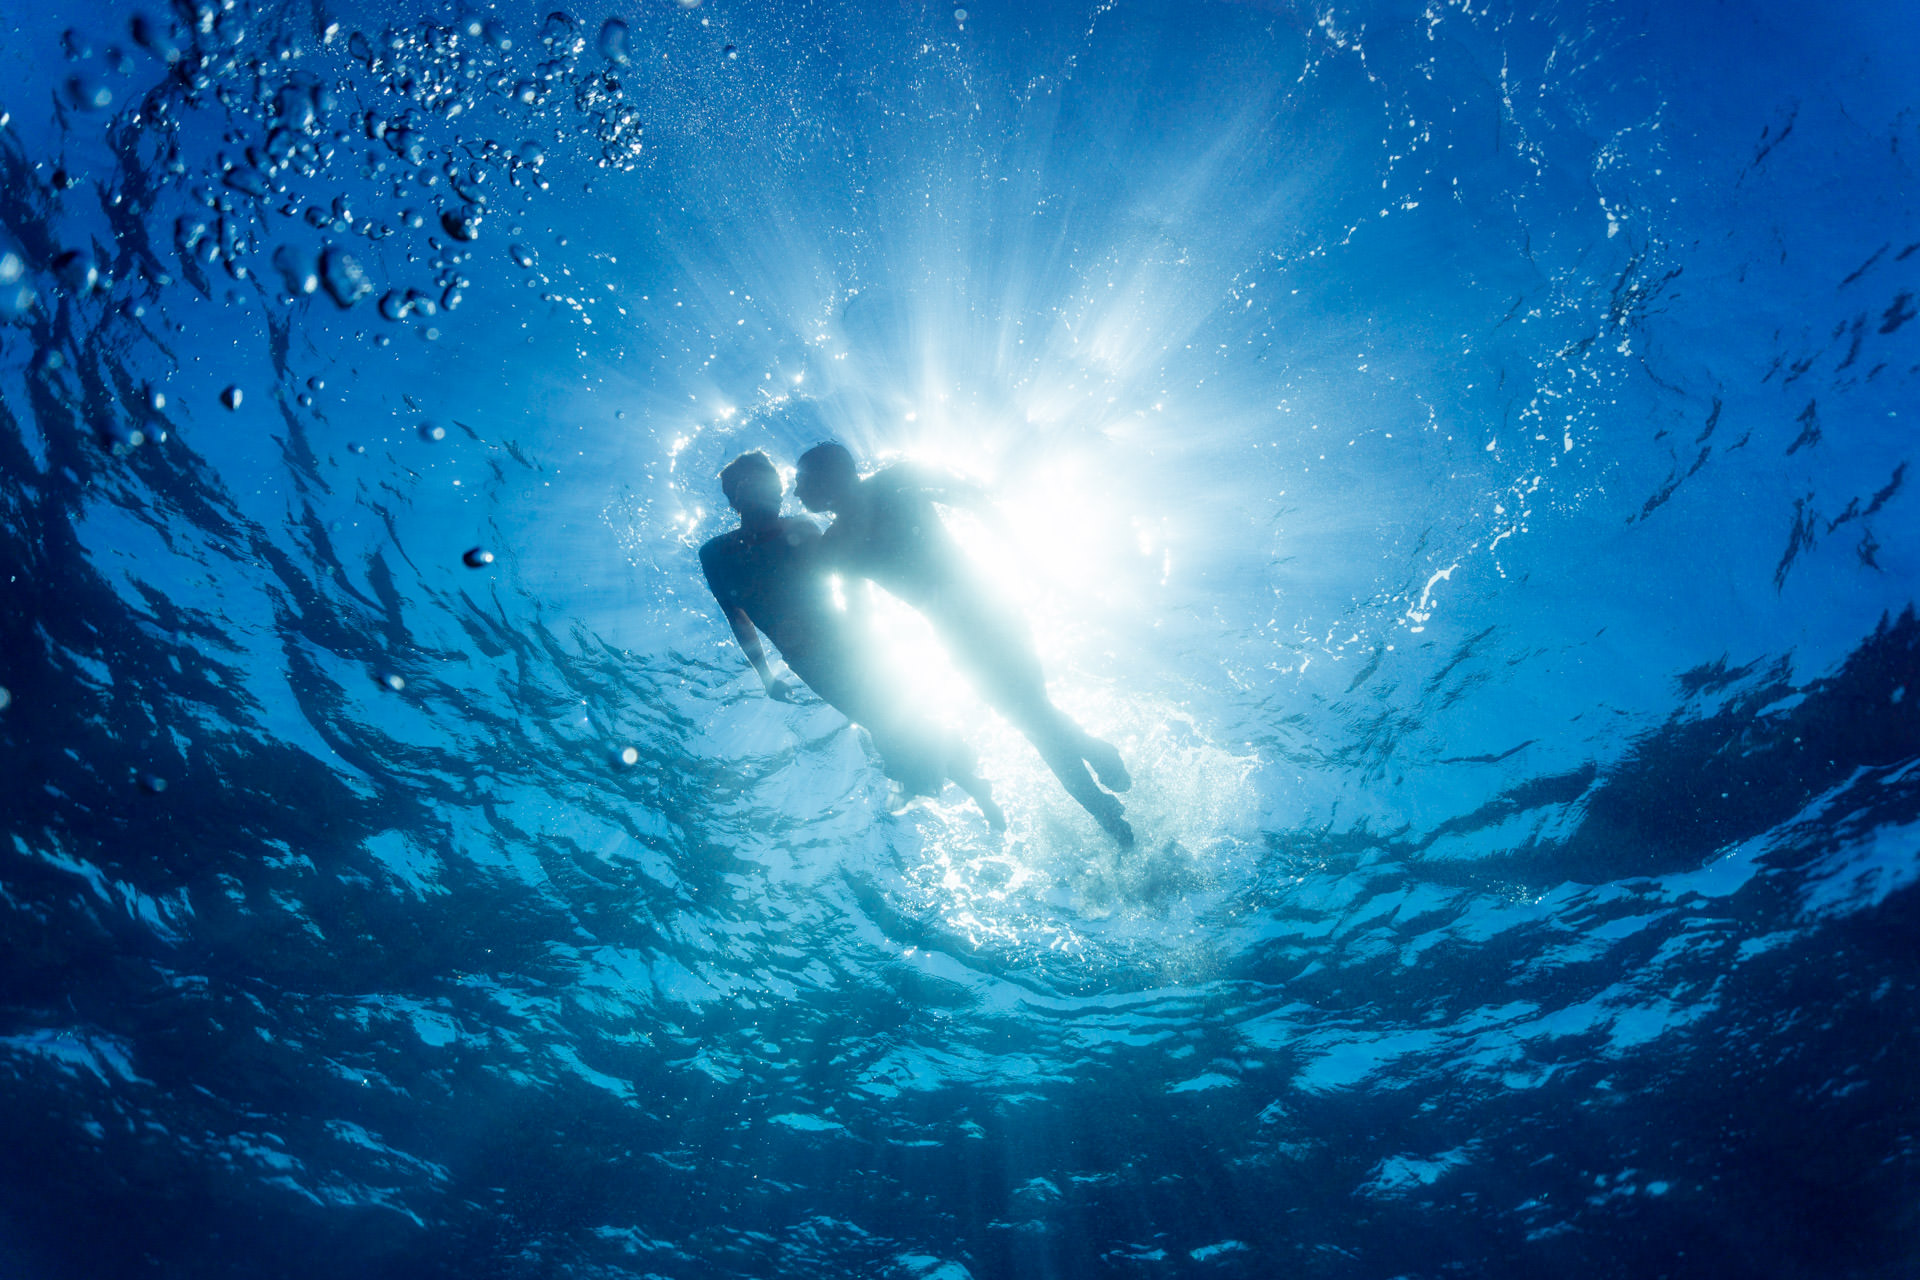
[780,689]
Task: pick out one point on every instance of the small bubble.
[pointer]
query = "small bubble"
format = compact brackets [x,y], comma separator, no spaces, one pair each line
[462,223]
[477,558]
[432,431]
[629,755]
[154,38]
[356,448]
[613,41]
[6,697]
[77,270]
[89,94]
[152,783]
[231,397]
[345,279]
[959,15]
[393,681]
[522,256]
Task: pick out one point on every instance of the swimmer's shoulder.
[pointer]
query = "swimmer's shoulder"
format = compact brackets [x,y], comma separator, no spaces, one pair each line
[799,529]
[718,550]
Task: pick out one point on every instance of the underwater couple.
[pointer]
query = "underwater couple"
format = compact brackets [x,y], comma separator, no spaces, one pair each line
[773,576]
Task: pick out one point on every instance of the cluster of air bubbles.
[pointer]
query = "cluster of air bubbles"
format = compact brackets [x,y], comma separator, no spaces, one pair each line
[332,140]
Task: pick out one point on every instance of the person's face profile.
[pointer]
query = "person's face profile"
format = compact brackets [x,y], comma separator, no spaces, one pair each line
[807,488]
[818,490]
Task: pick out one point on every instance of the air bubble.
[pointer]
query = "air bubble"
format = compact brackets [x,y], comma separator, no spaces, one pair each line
[522,256]
[296,270]
[432,431]
[77,271]
[613,41]
[630,755]
[88,93]
[345,280]
[231,397]
[154,37]
[462,223]
[393,681]
[477,558]
[152,783]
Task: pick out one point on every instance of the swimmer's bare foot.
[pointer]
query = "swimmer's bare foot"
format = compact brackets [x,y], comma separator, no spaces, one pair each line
[996,816]
[1108,816]
[982,792]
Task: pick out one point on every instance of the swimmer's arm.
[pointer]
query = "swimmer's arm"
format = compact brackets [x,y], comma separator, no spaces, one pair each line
[777,689]
[944,487]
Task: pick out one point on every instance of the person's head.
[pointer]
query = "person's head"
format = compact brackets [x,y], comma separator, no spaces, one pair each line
[825,477]
[752,485]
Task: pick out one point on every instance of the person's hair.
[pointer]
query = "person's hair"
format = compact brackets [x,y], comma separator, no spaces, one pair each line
[830,461]
[740,468]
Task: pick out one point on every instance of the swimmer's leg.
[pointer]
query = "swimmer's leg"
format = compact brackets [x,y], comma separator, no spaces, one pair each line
[960,768]
[1020,692]
[1061,752]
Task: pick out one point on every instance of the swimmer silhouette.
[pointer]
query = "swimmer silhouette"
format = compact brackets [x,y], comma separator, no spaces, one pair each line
[885,529]
[770,574]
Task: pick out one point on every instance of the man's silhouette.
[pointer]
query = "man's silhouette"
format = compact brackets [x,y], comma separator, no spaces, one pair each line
[770,574]
[885,528]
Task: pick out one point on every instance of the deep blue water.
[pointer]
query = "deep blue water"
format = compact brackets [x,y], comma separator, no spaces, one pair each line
[1460,452]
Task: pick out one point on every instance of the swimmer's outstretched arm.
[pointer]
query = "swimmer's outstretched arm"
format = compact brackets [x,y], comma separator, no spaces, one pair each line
[944,487]
[777,689]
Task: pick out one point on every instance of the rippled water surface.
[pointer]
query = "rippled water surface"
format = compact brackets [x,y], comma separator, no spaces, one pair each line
[1459,452]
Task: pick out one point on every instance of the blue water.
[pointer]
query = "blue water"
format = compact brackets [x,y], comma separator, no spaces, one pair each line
[1460,452]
